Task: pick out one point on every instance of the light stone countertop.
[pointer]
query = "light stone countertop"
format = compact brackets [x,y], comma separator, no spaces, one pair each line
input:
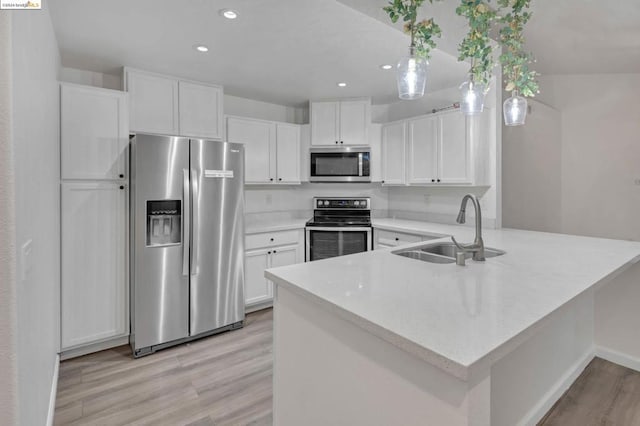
[460,319]
[257,226]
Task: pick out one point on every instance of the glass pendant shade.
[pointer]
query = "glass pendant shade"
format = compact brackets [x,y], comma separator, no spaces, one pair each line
[472,98]
[515,110]
[411,76]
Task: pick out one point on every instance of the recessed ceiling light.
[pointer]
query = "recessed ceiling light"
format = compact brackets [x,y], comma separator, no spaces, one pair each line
[386,66]
[201,48]
[342,84]
[228,13]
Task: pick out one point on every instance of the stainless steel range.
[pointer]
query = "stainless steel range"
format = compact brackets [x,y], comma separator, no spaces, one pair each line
[339,226]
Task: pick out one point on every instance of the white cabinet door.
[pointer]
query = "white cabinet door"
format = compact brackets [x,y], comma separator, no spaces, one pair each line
[257,288]
[423,150]
[200,110]
[324,123]
[94,251]
[153,103]
[288,153]
[94,133]
[259,139]
[454,150]
[393,153]
[283,256]
[354,122]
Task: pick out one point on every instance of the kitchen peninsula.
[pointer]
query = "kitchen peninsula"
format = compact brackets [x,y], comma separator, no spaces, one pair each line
[378,339]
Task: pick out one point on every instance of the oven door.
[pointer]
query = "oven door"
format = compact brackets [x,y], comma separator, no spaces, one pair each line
[323,243]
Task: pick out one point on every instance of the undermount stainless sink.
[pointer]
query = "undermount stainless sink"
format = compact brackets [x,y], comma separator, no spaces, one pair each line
[441,253]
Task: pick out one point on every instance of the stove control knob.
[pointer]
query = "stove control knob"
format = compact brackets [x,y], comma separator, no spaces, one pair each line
[326,202]
[319,203]
[356,203]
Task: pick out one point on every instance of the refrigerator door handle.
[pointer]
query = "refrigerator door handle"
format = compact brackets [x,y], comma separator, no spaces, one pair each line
[194,224]
[186,222]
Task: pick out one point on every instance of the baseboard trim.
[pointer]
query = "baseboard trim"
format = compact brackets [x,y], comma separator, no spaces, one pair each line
[53,393]
[618,358]
[553,395]
[95,347]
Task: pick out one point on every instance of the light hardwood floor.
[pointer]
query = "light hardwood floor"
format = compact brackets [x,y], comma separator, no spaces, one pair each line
[226,380]
[605,394]
[220,380]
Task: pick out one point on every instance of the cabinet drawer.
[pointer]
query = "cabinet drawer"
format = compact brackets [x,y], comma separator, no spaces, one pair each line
[389,238]
[270,239]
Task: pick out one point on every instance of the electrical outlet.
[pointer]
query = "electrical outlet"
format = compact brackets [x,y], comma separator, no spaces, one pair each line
[27,263]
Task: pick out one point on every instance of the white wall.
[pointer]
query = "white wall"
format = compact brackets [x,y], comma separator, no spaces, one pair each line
[532,171]
[298,199]
[36,149]
[8,351]
[599,154]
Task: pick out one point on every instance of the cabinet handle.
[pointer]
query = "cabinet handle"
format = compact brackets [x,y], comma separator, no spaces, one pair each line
[121,186]
[121,176]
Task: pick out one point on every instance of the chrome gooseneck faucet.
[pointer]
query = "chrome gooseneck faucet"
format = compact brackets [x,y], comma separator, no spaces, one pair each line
[477,247]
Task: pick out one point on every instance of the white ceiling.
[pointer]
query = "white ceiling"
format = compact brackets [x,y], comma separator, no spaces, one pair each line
[289,51]
[282,51]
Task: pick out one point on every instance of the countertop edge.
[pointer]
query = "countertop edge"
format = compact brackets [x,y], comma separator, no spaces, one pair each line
[447,365]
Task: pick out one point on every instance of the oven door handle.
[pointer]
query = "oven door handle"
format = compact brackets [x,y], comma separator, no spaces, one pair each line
[338,228]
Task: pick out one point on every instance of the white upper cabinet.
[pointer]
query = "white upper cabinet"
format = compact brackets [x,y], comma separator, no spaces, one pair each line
[200,110]
[423,150]
[153,100]
[432,149]
[165,105]
[394,153]
[340,122]
[325,118]
[287,153]
[259,139]
[272,150]
[94,129]
[455,149]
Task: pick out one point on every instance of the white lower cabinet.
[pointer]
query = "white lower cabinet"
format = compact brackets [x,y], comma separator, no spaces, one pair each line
[264,251]
[94,273]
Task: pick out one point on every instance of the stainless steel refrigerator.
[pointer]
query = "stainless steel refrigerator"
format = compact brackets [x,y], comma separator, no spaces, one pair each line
[187,240]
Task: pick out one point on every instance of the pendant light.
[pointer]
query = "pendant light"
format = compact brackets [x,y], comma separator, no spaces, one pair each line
[472,102]
[515,110]
[411,76]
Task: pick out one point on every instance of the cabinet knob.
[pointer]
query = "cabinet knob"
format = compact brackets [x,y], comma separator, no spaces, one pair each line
[433,180]
[438,180]
[121,176]
[271,179]
[397,239]
[382,181]
[280,179]
[271,239]
[268,252]
[336,142]
[274,252]
[341,142]
[121,186]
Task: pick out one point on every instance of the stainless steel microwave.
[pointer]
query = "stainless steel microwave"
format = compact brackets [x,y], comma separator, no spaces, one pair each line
[344,164]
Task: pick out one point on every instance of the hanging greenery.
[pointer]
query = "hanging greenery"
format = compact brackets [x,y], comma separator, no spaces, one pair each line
[476,46]
[423,32]
[516,73]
